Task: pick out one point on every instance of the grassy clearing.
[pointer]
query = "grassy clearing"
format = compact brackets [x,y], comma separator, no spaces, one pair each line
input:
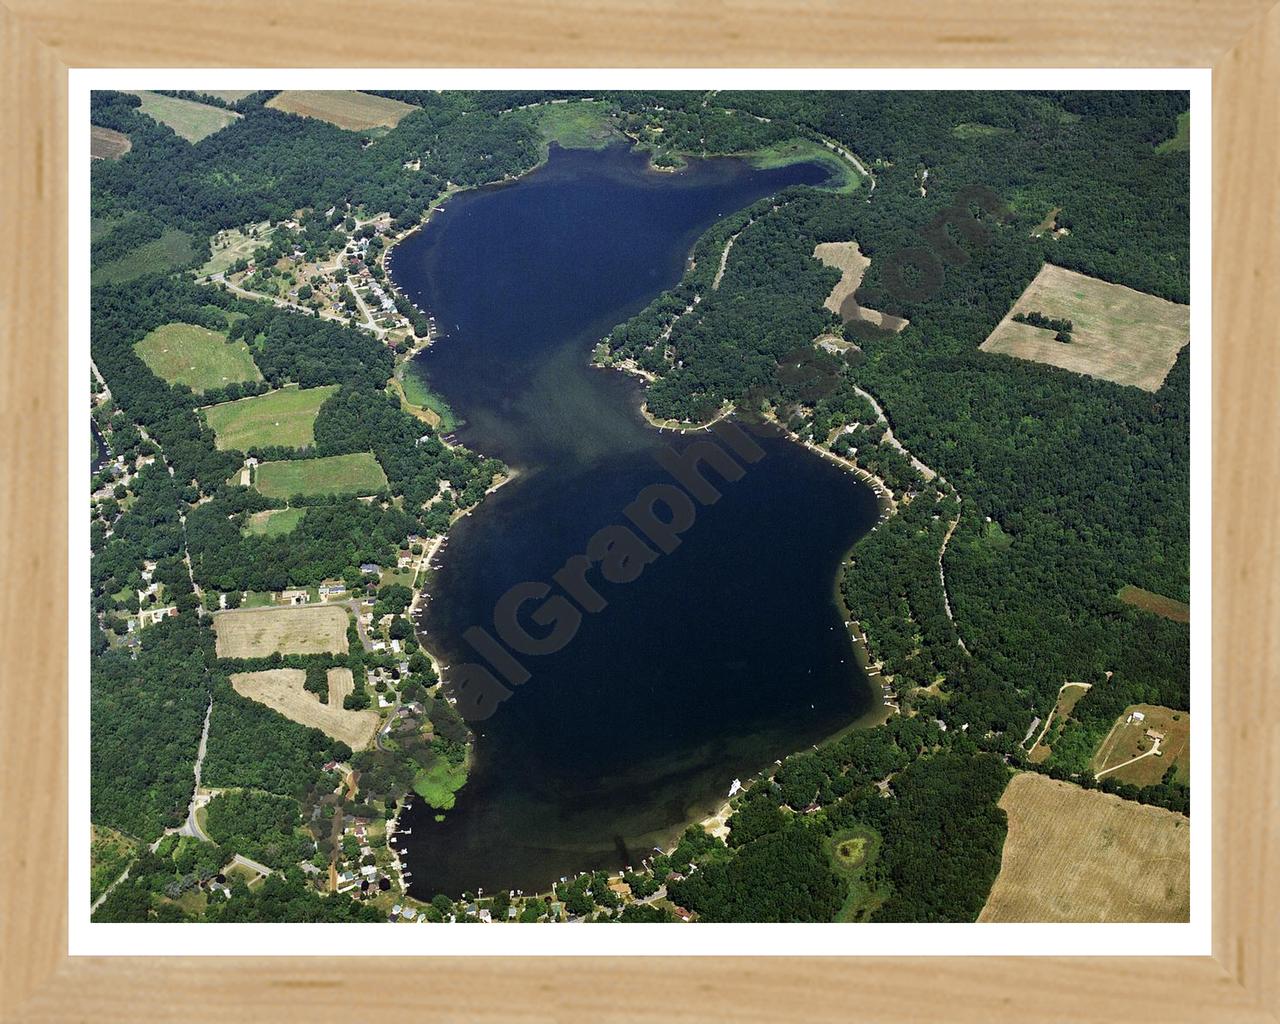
[1067,700]
[1083,855]
[438,784]
[1118,334]
[107,144]
[418,393]
[341,684]
[354,111]
[228,95]
[286,417]
[255,633]
[1157,604]
[847,258]
[171,250]
[358,473]
[196,356]
[1128,740]
[1181,140]
[851,852]
[110,852]
[274,522]
[226,247]
[193,121]
[281,689]
[976,130]
[582,125]
[844,177]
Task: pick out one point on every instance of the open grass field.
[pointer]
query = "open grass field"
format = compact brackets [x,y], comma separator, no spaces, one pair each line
[1083,855]
[226,247]
[286,417]
[192,120]
[274,522]
[358,473]
[281,690]
[354,111]
[1128,740]
[107,144]
[196,356]
[257,632]
[1181,140]
[1118,334]
[582,125]
[1157,604]
[172,249]
[847,258]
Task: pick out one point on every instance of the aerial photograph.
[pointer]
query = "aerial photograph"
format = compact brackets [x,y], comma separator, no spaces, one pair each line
[524,507]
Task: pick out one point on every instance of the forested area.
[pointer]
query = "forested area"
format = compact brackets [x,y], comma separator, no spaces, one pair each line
[259,826]
[145,721]
[1070,486]
[941,833]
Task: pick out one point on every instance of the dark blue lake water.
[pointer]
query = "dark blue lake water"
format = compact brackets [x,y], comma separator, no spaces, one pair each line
[724,655]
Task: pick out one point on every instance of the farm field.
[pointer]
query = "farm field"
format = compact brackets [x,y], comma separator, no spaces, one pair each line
[171,250]
[226,247]
[196,356]
[1157,604]
[354,111]
[1118,334]
[341,683]
[1074,854]
[847,258]
[281,689]
[257,632]
[274,522]
[107,144]
[1128,740]
[192,120]
[358,473]
[283,417]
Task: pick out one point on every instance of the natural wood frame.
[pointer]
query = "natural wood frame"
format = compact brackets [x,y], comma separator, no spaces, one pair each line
[1240,39]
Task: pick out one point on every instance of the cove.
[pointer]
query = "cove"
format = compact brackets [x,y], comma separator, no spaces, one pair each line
[724,655]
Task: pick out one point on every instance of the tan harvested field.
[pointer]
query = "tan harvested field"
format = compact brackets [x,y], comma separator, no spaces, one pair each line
[1118,334]
[1157,604]
[341,684]
[1128,740]
[1082,855]
[106,144]
[847,258]
[281,690]
[257,632]
[355,111]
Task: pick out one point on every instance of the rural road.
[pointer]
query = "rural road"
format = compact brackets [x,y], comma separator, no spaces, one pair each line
[1155,749]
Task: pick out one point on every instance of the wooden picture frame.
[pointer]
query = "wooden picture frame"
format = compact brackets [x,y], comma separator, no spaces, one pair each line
[41,39]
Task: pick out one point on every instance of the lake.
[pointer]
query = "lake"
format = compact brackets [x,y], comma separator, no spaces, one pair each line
[727,653]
